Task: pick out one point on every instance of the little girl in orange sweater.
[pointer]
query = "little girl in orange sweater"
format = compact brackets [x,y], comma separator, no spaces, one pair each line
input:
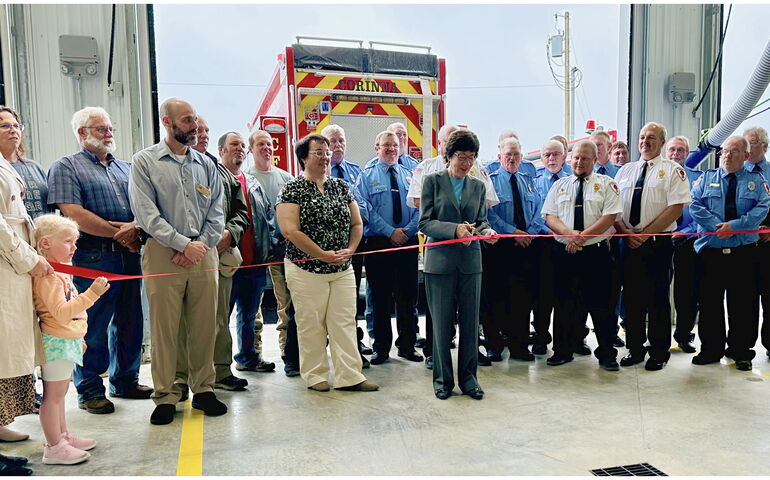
[62,315]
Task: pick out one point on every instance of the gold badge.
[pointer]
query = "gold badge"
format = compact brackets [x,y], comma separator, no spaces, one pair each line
[472,172]
[752,186]
[596,187]
[203,190]
[661,174]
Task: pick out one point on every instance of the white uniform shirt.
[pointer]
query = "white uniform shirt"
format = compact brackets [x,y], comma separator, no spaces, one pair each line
[665,185]
[436,164]
[600,197]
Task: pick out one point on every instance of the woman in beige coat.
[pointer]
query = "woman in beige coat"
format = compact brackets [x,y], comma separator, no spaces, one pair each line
[19,262]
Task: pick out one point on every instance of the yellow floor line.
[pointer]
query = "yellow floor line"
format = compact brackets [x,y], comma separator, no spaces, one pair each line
[190,462]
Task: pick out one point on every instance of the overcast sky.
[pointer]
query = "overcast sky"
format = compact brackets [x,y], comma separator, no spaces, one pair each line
[221,57]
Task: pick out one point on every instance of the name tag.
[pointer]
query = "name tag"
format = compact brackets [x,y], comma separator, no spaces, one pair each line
[714,185]
[203,190]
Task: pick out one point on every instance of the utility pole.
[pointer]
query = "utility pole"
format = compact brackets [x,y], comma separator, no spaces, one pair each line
[567,82]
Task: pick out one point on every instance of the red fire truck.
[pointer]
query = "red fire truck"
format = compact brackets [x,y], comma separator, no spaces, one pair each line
[363,90]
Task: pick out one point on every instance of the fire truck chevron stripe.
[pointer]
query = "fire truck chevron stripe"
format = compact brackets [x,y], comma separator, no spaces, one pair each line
[307,80]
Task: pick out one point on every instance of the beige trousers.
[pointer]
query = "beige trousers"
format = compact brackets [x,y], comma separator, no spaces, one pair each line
[187,299]
[325,305]
[283,301]
[223,343]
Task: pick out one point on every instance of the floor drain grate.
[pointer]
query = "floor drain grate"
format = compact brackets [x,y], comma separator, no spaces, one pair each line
[635,470]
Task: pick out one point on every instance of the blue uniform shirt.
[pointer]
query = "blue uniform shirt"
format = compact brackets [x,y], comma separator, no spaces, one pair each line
[751,167]
[545,180]
[752,201]
[687,225]
[406,160]
[501,215]
[350,171]
[526,167]
[610,169]
[374,198]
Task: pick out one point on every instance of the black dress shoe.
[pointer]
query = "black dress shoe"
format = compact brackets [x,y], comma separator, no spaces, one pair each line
[136,392]
[609,364]
[631,360]
[379,358]
[523,355]
[618,342]
[582,349]
[365,363]
[18,461]
[539,349]
[412,356]
[429,362]
[419,342]
[494,355]
[701,359]
[558,359]
[443,393]
[484,361]
[208,402]
[743,365]
[475,393]
[688,347]
[654,364]
[185,391]
[11,470]
[364,349]
[163,414]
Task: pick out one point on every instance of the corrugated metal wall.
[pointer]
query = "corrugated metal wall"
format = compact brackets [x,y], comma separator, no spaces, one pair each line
[669,39]
[46,98]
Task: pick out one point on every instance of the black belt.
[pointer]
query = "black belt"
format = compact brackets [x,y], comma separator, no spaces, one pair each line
[602,244]
[106,245]
[730,250]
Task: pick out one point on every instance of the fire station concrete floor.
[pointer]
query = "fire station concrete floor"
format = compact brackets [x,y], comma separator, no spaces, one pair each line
[534,420]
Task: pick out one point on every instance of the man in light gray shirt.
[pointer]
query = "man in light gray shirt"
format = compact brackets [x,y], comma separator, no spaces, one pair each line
[176,197]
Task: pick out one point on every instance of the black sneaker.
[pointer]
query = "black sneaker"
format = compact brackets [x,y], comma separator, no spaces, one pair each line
[429,362]
[185,391]
[232,383]
[208,402]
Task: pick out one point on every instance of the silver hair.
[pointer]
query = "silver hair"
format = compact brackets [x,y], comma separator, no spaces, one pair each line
[329,130]
[82,116]
[660,127]
[760,132]
[553,143]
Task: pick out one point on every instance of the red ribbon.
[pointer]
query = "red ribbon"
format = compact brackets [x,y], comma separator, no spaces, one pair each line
[115,277]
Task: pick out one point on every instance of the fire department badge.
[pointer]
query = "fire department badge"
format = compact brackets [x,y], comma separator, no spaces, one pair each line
[767,188]
[596,187]
[472,172]
[752,186]
[681,173]
[661,173]
[615,188]
[696,182]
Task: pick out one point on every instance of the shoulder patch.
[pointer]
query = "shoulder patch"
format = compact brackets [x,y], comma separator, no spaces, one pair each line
[696,182]
[682,174]
[615,188]
[767,187]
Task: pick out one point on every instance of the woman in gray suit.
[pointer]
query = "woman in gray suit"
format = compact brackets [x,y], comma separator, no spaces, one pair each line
[453,205]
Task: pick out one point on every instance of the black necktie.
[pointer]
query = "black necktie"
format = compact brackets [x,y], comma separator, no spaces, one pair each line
[554,177]
[602,170]
[578,222]
[757,169]
[636,201]
[395,194]
[731,210]
[518,210]
[337,171]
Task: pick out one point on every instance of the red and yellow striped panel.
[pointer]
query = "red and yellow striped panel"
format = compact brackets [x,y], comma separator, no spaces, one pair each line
[308,105]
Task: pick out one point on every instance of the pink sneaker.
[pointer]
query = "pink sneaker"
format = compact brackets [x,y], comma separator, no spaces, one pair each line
[81,443]
[63,454]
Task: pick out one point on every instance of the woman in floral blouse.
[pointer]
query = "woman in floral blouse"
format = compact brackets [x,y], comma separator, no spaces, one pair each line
[320,219]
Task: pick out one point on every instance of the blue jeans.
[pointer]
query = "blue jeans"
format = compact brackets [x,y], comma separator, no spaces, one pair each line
[246,296]
[115,321]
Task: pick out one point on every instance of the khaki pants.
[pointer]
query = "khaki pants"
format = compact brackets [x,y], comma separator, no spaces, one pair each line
[223,343]
[325,305]
[283,301]
[187,299]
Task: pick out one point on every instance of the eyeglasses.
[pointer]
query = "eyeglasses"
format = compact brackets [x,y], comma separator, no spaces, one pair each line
[389,145]
[465,158]
[751,144]
[103,130]
[15,126]
[321,153]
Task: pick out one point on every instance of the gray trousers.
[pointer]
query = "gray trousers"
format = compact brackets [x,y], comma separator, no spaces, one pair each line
[451,296]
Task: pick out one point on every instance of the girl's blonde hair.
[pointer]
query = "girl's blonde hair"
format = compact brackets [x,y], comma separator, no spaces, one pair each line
[50,225]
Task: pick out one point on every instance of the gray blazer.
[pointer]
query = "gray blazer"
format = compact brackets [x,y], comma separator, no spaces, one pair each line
[439,216]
